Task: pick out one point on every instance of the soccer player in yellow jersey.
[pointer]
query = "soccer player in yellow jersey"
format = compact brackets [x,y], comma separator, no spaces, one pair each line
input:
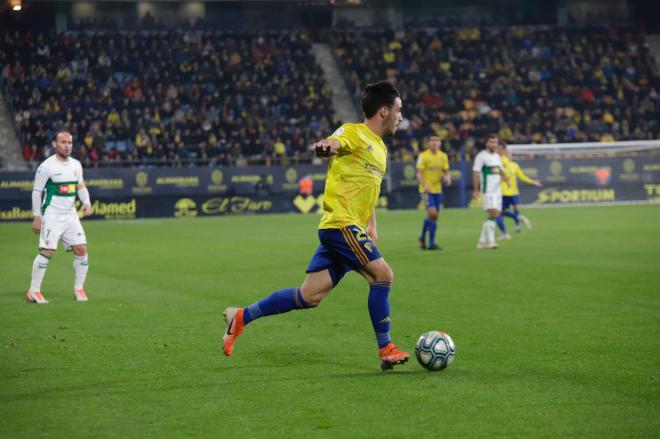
[348,233]
[432,171]
[511,193]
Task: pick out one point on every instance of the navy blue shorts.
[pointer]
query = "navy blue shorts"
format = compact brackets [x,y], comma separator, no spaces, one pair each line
[432,200]
[342,250]
[508,201]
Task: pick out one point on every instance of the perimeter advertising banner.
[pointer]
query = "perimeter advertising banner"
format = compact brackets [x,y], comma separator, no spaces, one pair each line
[186,192]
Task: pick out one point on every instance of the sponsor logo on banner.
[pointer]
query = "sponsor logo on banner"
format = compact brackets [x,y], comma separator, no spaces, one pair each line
[651,167]
[409,176]
[531,172]
[291,177]
[15,214]
[184,208]
[112,209]
[216,182]
[252,178]
[23,185]
[181,181]
[141,183]
[309,203]
[554,195]
[235,205]
[556,175]
[629,173]
[105,183]
[652,192]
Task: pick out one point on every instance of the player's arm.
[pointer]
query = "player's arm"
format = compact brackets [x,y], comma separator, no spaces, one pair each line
[40,179]
[446,177]
[372,228]
[521,175]
[476,175]
[327,147]
[83,195]
[420,178]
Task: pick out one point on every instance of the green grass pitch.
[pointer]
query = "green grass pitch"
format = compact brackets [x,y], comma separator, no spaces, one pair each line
[557,332]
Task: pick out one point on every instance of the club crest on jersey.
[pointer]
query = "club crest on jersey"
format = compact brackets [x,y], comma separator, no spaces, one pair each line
[370,148]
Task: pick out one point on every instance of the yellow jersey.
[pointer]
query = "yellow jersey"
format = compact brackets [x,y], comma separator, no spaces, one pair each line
[434,165]
[352,185]
[514,173]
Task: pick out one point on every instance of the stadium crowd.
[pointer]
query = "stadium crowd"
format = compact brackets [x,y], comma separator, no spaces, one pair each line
[529,84]
[228,97]
[220,97]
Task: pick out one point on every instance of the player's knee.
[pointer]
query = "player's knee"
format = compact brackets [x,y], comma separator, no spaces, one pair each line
[433,216]
[385,274]
[80,250]
[47,252]
[313,298]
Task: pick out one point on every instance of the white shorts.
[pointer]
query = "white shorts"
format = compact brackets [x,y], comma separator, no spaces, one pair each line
[492,201]
[61,227]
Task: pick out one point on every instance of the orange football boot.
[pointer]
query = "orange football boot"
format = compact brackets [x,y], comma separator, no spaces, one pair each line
[390,356]
[234,320]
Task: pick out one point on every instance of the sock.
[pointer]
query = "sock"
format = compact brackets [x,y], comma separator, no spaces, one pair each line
[513,215]
[500,224]
[39,266]
[278,302]
[432,226]
[379,310]
[80,267]
[484,232]
[425,227]
[490,230]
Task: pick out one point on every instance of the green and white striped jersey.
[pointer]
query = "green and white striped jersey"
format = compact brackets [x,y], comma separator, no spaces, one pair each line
[59,179]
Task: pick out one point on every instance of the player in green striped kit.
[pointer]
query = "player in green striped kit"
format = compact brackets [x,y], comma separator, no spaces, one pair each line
[55,218]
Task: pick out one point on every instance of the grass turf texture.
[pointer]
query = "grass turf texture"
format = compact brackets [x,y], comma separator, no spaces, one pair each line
[556,332]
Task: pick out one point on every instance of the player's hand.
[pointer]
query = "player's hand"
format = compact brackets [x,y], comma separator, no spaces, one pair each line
[87,209]
[427,188]
[447,180]
[475,195]
[537,183]
[323,148]
[373,234]
[36,225]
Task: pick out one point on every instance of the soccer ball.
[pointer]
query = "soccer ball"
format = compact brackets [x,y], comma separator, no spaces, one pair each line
[435,350]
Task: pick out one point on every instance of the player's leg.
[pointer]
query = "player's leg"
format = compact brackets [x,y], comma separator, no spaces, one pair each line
[380,276]
[80,268]
[39,267]
[507,205]
[74,239]
[523,218]
[49,237]
[492,206]
[432,218]
[425,226]
[500,225]
[434,210]
[323,273]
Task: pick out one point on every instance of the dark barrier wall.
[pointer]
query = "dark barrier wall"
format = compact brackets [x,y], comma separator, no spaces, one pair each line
[158,192]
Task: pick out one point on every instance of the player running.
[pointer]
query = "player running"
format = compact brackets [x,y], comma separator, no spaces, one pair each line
[511,193]
[347,231]
[55,217]
[432,171]
[487,174]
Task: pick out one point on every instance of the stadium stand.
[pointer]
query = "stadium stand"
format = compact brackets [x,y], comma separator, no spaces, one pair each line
[177,97]
[529,84]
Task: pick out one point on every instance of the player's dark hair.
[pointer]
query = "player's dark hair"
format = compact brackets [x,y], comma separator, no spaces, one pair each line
[58,132]
[492,136]
[378,95]
[502,143]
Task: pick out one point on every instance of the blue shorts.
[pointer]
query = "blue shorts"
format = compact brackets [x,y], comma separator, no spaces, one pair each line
[432,200]
[342,250]
[510,200]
